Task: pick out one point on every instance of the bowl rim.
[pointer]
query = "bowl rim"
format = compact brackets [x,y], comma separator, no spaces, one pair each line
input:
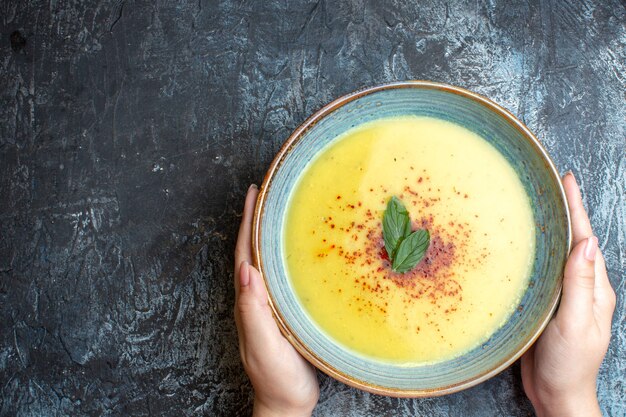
[256,238]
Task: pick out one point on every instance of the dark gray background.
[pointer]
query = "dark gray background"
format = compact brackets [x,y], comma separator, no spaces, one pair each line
[130,130]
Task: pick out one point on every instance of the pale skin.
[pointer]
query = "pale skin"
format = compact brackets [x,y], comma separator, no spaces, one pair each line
[559,372]
[284,383]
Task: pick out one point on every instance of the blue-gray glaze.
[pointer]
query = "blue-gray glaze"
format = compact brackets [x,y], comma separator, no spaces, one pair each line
[130,130]
[534,171]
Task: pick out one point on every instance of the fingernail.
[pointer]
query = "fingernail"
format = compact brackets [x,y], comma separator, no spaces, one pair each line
[590,248]
[569,173]
[253,187]
[244,274]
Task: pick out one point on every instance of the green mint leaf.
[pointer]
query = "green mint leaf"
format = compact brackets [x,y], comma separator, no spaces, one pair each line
[396,225]
[410,251]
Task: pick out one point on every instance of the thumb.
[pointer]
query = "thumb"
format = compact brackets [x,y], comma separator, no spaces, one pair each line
[578,284]
[257,328]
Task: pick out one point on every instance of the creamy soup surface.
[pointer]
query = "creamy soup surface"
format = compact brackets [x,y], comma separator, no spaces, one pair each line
[455,185]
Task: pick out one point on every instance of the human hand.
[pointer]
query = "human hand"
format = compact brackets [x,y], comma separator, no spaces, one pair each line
[285,384]
[559,372]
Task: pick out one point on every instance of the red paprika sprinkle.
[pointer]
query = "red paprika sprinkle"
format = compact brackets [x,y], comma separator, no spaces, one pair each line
[433,278]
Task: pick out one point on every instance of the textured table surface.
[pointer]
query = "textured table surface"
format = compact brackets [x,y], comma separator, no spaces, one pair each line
[130,130]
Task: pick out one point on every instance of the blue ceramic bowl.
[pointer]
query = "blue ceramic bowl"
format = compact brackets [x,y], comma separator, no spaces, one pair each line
[552,236]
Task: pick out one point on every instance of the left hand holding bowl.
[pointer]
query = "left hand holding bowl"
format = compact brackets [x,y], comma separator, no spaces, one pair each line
[285,384]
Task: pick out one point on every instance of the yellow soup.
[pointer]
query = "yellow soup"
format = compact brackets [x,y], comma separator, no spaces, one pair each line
[455,185]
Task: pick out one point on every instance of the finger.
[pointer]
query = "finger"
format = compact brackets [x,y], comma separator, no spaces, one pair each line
[602,279]
[578,285]
[243,250]
[604,295]
[256,323]
[528,368]
[581,227]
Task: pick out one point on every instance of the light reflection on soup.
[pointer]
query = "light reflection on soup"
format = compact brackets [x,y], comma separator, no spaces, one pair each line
[454,184]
